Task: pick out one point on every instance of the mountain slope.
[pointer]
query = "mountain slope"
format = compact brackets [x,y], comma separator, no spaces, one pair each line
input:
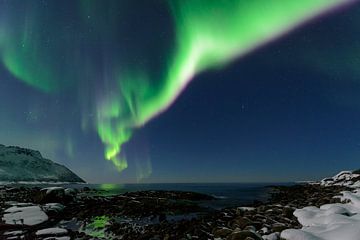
[21,164]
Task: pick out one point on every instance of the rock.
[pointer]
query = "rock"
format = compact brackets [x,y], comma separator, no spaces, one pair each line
[70,192]
[15,234]
[51,231]
[287,212]
[221,232]
[53,208]
[57,238]
[241,210]
[278,227]
[29,215]
[53,195]
[242,222]
[242,235]
[250,228]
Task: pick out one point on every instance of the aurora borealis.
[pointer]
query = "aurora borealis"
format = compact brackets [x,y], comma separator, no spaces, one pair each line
[108,67]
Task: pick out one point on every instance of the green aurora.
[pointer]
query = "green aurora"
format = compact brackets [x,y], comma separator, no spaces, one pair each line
[208,35]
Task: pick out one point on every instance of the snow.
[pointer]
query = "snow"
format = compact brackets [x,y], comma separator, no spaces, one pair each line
[264,230]
[51,231]
[331,221]
[57,238]
[273,236]
[13,233]
[246,208]
[52,189]
[344,178]
[29,215]
[17,204]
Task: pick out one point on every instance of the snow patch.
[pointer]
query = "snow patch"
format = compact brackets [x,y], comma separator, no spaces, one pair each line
[57,238]
[52,189]
[51,231]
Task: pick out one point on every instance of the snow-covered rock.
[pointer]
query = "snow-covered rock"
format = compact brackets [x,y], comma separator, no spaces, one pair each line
[51,231]
[273,236]
[26,165]
[29,215]
[344,178]
[54,195]
[58,238]
[55,190]
[331,221]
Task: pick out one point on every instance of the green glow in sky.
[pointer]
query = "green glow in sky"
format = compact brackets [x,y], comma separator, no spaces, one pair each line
[30,53]
[208,35]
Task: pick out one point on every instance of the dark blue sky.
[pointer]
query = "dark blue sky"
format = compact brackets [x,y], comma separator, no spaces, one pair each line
[288,111]
[268,116]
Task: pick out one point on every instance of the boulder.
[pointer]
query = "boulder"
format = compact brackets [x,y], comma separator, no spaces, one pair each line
[54,195]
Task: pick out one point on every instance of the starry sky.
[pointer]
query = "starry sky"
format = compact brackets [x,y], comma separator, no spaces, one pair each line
[174,91]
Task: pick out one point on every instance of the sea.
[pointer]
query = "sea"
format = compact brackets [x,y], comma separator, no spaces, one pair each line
[226,194]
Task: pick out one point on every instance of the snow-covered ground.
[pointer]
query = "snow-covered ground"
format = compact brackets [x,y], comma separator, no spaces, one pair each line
[340,221]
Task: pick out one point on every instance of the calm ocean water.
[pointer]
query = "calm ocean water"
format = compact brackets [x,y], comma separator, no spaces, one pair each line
[227,194]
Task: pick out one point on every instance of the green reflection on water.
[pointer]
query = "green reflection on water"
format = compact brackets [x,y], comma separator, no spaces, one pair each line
[97,226]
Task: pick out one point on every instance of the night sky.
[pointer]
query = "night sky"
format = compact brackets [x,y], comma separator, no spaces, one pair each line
[175,91]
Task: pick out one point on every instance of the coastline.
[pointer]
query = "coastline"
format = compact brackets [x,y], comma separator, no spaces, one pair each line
[65,213]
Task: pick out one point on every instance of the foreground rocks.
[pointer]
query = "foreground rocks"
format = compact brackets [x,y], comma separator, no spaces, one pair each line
[58,213]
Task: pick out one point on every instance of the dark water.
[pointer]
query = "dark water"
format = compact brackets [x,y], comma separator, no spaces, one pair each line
[227,194]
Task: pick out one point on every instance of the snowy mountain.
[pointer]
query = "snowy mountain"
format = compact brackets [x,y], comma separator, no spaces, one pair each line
[26,165]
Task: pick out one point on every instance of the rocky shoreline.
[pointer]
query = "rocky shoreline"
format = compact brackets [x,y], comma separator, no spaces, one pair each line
[58,213]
